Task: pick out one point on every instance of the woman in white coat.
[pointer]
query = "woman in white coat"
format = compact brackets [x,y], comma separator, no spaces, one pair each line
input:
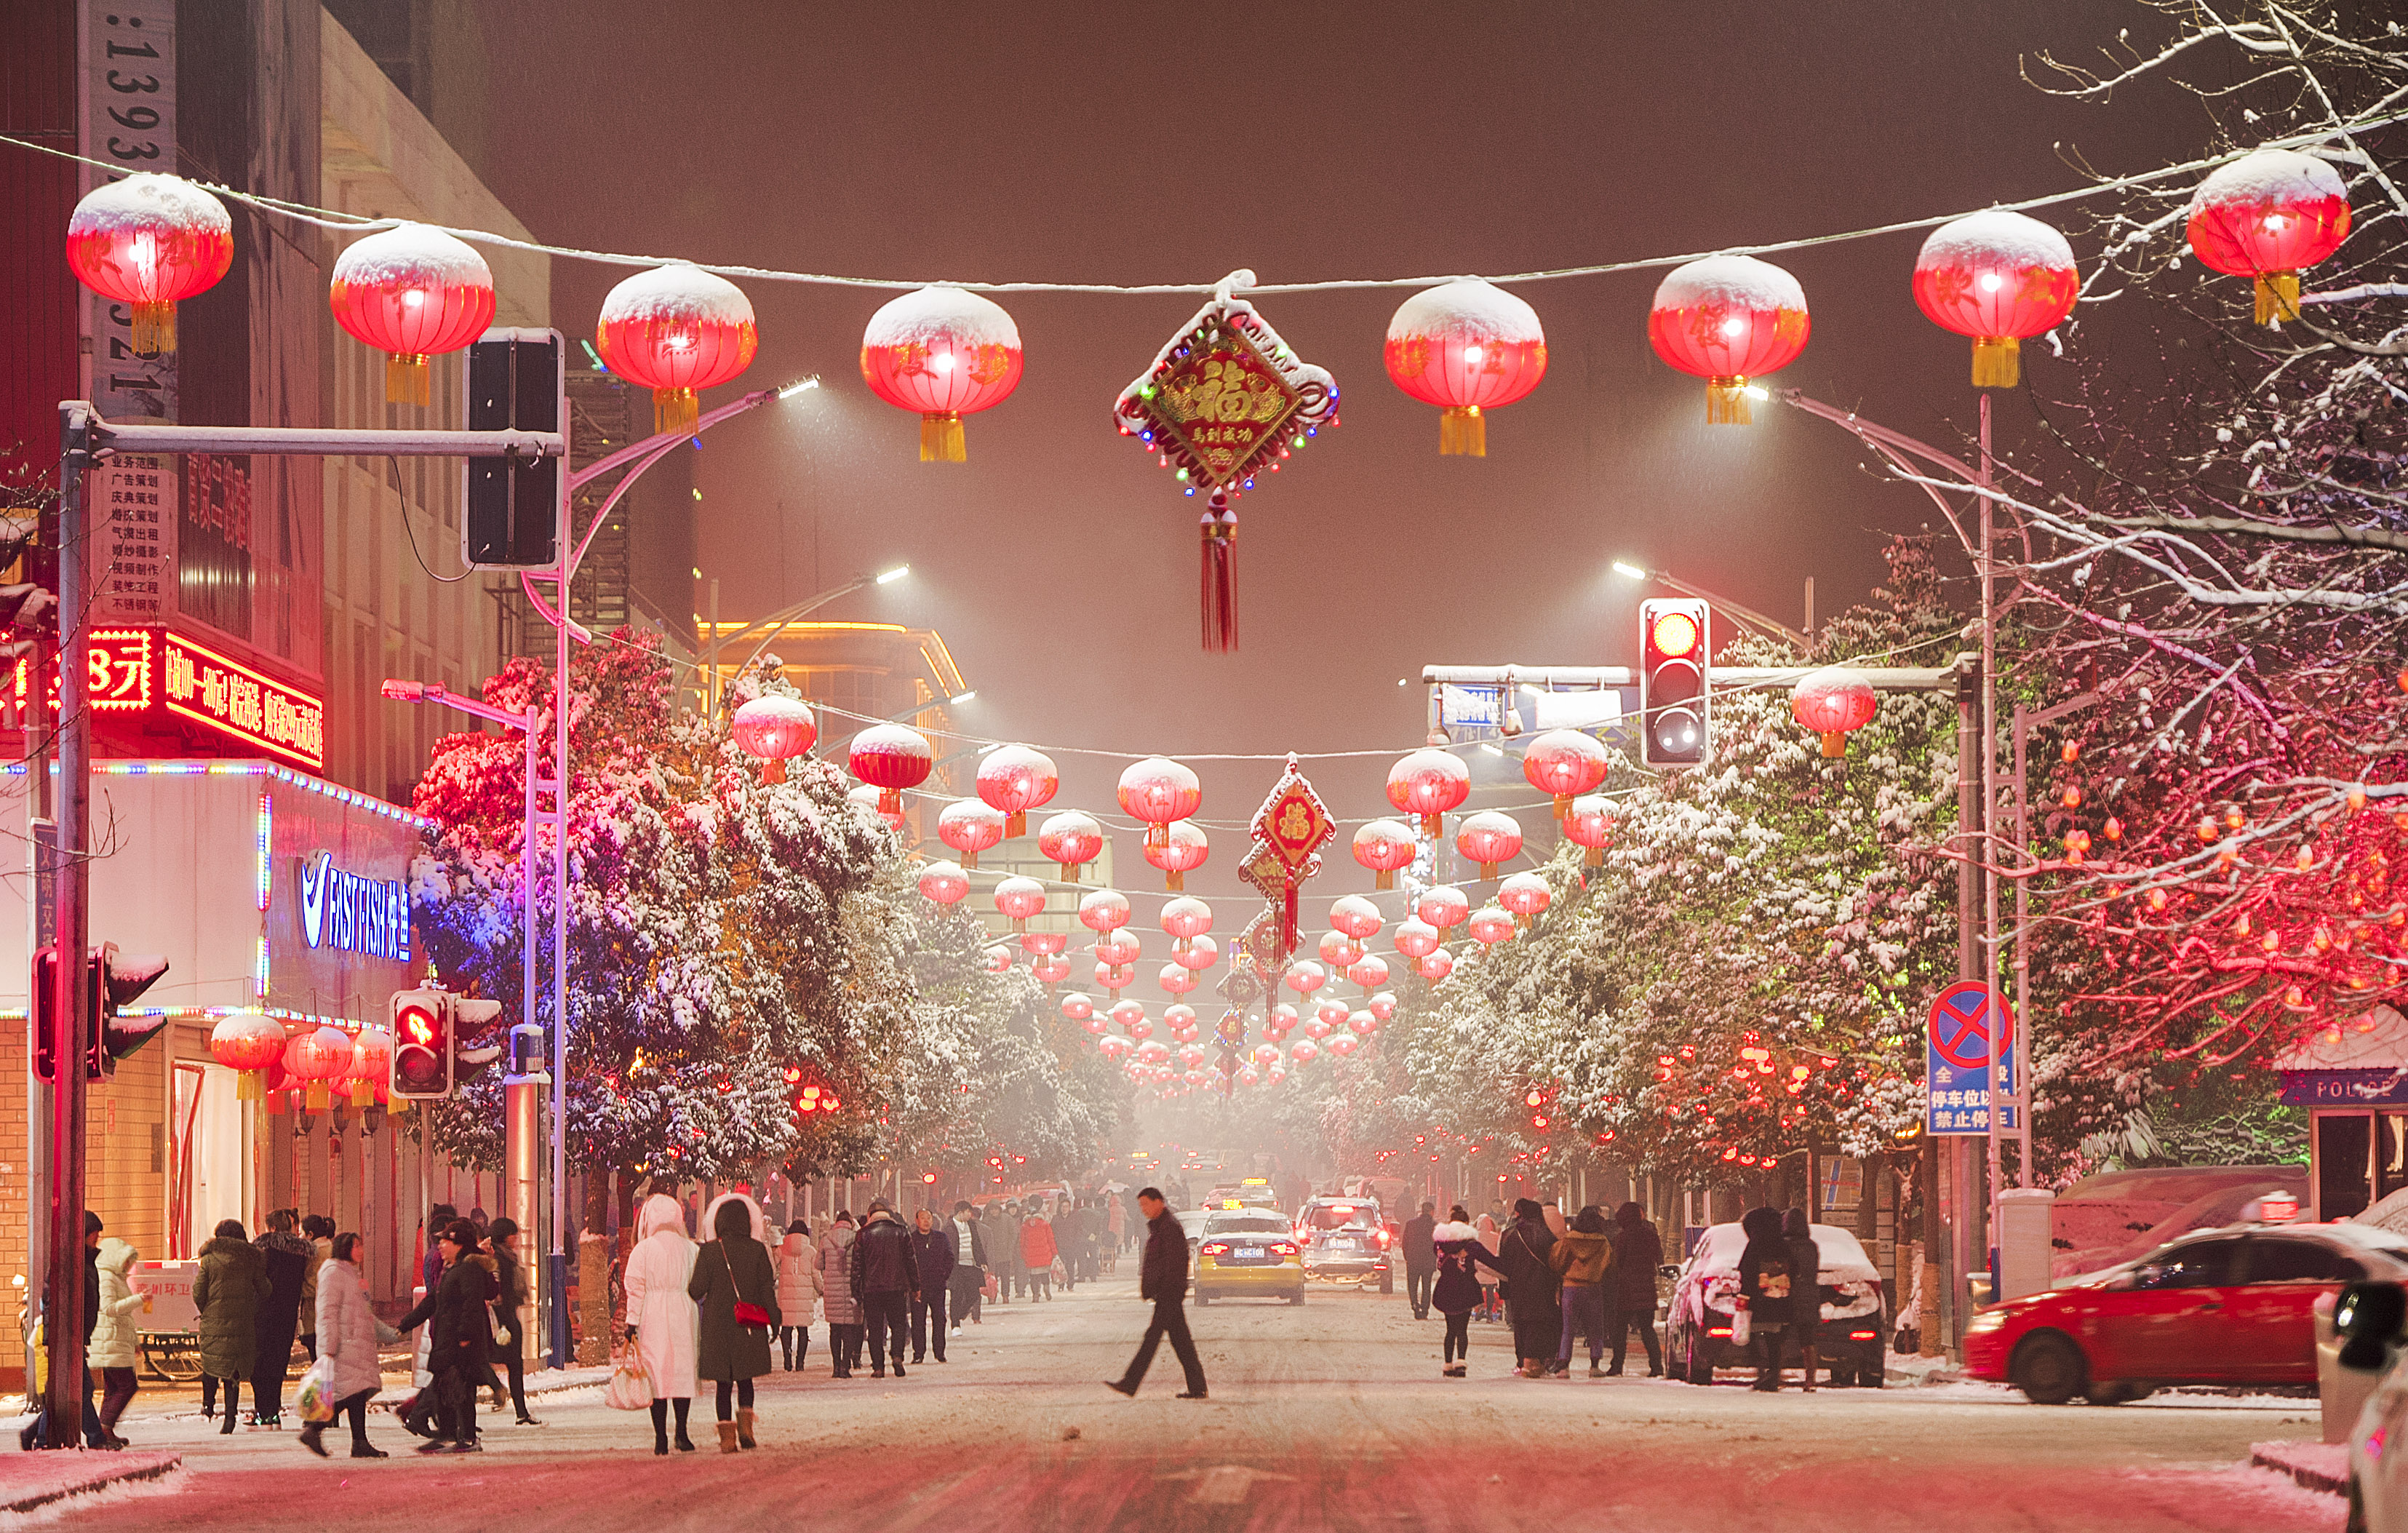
[348,1333]
[116,1344]
[663,1321]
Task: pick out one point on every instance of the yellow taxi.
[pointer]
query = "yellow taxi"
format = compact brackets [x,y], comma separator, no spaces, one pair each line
[1247,1252]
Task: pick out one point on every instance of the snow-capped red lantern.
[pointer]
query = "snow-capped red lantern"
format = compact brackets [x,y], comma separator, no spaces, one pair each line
[2267,216]
[1180,1020]
[1304,1050]
[1182,852]
[1727,318]
[412,293]
[1177,979]
[371,1064]
[1526,895]
[1095,1025]
[1361,1022]
[250,1044]
[1330,1012]
[1437,965]
[1283,1021]
[1490,925]
[1044,945]
[1131,1016]
[1833,702]
[1016,779]
[676,330]
[1370,971]
[946,353]
[1358,917]
[1051,970]
[1306,976]
[1071,839]
[969,827]
[1112,1047]
[1382,1006]
[1428,784]
[1267,1052]
[317,1058]
[1191,1055]
[150,241]
[1337,950]
[1104,910]
[1248,1075]
[1159,792]
[1384,846]
[2000,278]
[1184,918]
[944,882]
[1566,763]
[1117,946]
[1416,938]
[997,959]
[871,800]
[1590,825]
[1443,906]
[776,729]
[1465,346]
[891,757]
[1199,952]
[1489,839]
[1018,900]
[1341,1044]
[1114,977]
[1078,1006]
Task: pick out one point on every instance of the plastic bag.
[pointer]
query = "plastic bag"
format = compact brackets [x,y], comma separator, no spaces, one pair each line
[316,1400]
[630,1388]
[1741,1329]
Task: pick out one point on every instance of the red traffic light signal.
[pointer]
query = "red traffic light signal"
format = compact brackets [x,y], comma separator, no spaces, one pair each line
[112,980]
[422,1044]
[1675,645]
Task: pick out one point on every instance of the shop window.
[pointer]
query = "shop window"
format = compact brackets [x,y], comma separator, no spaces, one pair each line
[2343,1153]
[2390,1154]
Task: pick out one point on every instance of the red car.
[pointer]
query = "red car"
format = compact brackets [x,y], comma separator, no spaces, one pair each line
[2219,1307]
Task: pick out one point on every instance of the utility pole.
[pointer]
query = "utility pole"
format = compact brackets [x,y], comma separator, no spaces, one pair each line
[63,1299]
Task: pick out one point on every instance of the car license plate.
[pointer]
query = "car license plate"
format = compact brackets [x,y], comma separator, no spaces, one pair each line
[1250,1252]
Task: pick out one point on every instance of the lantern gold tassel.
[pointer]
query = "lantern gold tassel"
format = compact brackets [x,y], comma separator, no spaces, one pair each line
[2278,298]
[154,328]
[406,378]
[1835,742]
[1727,402]
[1998,362]
[1173,882]
[1385,878]
[1595,857]
[675,411]
[250,1086]
[1462,432]
[940,438]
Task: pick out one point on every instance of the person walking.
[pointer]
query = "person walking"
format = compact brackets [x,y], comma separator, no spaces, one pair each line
[933,1249]
[663,1324]
[430,1262]
[1161,1278]
[884,1278]
[348,1335]
[287,1257]
[1457,1289]
[973,1254]
[736,1286]
[1116,1236]
[510,1310]
[1036,1252]
[36,1433]
[1062,1227]
[1530,1288]
[319,1231]
[1805,1287]
[836,1291]
[1002,1234]
[227,1294]
[115,1345]
[1638,1252]
[1764,1282]
[1421,1259]
[459,1337]
[1492,1280]
[798,1289]
[1582,1258]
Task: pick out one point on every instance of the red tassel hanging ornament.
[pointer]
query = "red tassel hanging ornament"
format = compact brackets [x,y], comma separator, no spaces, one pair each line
[1226,401]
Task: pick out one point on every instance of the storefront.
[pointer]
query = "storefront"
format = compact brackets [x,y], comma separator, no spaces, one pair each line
[2352,1077]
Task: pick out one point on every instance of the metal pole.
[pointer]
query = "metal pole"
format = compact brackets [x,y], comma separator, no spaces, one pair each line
[63,1302]
[1989,861]
[560,971]
[522,1162]
[2023,961]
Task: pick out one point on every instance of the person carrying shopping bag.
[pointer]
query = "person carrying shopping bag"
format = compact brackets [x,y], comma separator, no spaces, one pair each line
[662,1324]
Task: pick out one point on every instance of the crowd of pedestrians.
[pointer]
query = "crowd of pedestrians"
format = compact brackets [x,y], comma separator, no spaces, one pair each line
[1555,1282]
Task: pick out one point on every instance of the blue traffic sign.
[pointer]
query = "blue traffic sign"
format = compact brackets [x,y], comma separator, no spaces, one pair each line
[1956,1060]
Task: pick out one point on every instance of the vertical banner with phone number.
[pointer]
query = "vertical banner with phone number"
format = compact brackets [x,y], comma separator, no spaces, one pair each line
[129,123]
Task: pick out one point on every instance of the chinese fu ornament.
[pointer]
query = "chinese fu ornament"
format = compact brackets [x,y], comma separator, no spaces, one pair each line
[1226,401]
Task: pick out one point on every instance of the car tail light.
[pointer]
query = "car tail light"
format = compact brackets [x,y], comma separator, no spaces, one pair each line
[1861,1336]
[1718,1330]
[1216,1248]
[1383,1239]
[1283,1248]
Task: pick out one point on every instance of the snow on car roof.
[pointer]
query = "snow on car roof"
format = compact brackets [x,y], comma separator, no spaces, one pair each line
[1841,1254]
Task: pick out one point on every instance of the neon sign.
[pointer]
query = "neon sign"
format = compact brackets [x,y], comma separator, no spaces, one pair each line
[353,914]
[234,699]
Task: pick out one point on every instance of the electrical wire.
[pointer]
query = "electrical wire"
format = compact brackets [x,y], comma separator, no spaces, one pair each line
[412,533]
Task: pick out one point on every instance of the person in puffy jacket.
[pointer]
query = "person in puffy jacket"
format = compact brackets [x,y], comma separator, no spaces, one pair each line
[1530,1287]
[227,1294]
[1582,1258]
[1037,1249]
[1805,1287]
[836,1293]
[287,1258]
[459,1337]
[884,1278]
[116,1345]
[348,1336]
[798,1289]
[1457,1291]
[1764,1281]
[733,1276]
[1630,1287]
[661,1320]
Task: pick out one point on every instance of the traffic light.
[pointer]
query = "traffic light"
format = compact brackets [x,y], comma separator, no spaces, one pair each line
[516,382]
[470,1017]
[29,609]
[421,1045]
[1675,639]
[112,980]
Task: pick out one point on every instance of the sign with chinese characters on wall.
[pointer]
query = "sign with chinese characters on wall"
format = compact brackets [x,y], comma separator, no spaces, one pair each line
[135,493]
[157,675]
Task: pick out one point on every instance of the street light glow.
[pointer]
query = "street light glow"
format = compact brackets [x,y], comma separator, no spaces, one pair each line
[1755,391]
[799,386]
[890,576]
[1629,571]
[963,696]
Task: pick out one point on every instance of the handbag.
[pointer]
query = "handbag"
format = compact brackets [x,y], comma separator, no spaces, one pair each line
[1741,1329]
[630,1388]
[747,1312]
[315,1401]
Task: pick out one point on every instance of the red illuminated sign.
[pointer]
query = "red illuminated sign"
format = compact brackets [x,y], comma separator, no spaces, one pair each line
[119,679]
[231,698]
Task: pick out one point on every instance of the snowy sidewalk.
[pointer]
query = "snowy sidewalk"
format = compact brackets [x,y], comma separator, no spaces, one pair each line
[2318,1465]
[29,1481]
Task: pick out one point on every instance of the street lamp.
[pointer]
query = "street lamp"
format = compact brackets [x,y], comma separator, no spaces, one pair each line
[1629,571]
[770,627]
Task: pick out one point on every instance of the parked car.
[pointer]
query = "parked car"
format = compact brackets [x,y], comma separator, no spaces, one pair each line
[1848,1336]
[2368,1318]
[1345,1240]
[2231,1306]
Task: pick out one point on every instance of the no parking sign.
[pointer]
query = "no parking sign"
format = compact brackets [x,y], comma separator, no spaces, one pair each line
[1956,1060]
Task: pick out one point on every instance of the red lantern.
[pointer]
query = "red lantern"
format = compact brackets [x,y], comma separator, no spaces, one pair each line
[1044,945]
[1833,702]
[1370,971]
[891,757]
[1443,906]
[1115,977]
[1341,1045]
[2000,278]
[1328,1018]
[1118,948]
[676,330]
[1590,825]
[1051,970]
[1180,1020]
[1727,318]
[1111,1048]
[1016,779]
[371,1064]
[1383,1006]
[1384,846]
[316,1057]
[1282,1019]
[969,827]
[776,729]
[945,353]
[997,958]
[1489,839]
[1428,784]
[1566,763]
[1198,952]
[150,241]
[1078,1008]
[1466,347]
[1180,854]
[250,1044]
[1526,894]
[1416,938]
[1358,917]
[1104,910]
[1187,919]
[1306,978]
[871,800]
[2267,216]
[1362,1024]
[412,293]
[1159,792]
[1176,979]
[1436,966]
[1071,839]
[1019,900]
[1337,950]
[1304,1050]
[944,882]
[1131,1016]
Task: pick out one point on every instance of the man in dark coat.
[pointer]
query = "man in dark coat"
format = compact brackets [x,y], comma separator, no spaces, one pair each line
[1530,1287]
[227,1295]
[1765,1279]
[1163,1279]
[37,1434]
[1421,1259]
[460,1337]
[1805,1287]
[933,1247]
[288,1257]
[1630,1287]
[885,1276]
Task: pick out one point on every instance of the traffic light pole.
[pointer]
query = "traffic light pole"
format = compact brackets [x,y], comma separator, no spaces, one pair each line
[63,1297]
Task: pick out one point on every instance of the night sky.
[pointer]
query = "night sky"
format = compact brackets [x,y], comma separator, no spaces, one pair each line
[1128,144]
